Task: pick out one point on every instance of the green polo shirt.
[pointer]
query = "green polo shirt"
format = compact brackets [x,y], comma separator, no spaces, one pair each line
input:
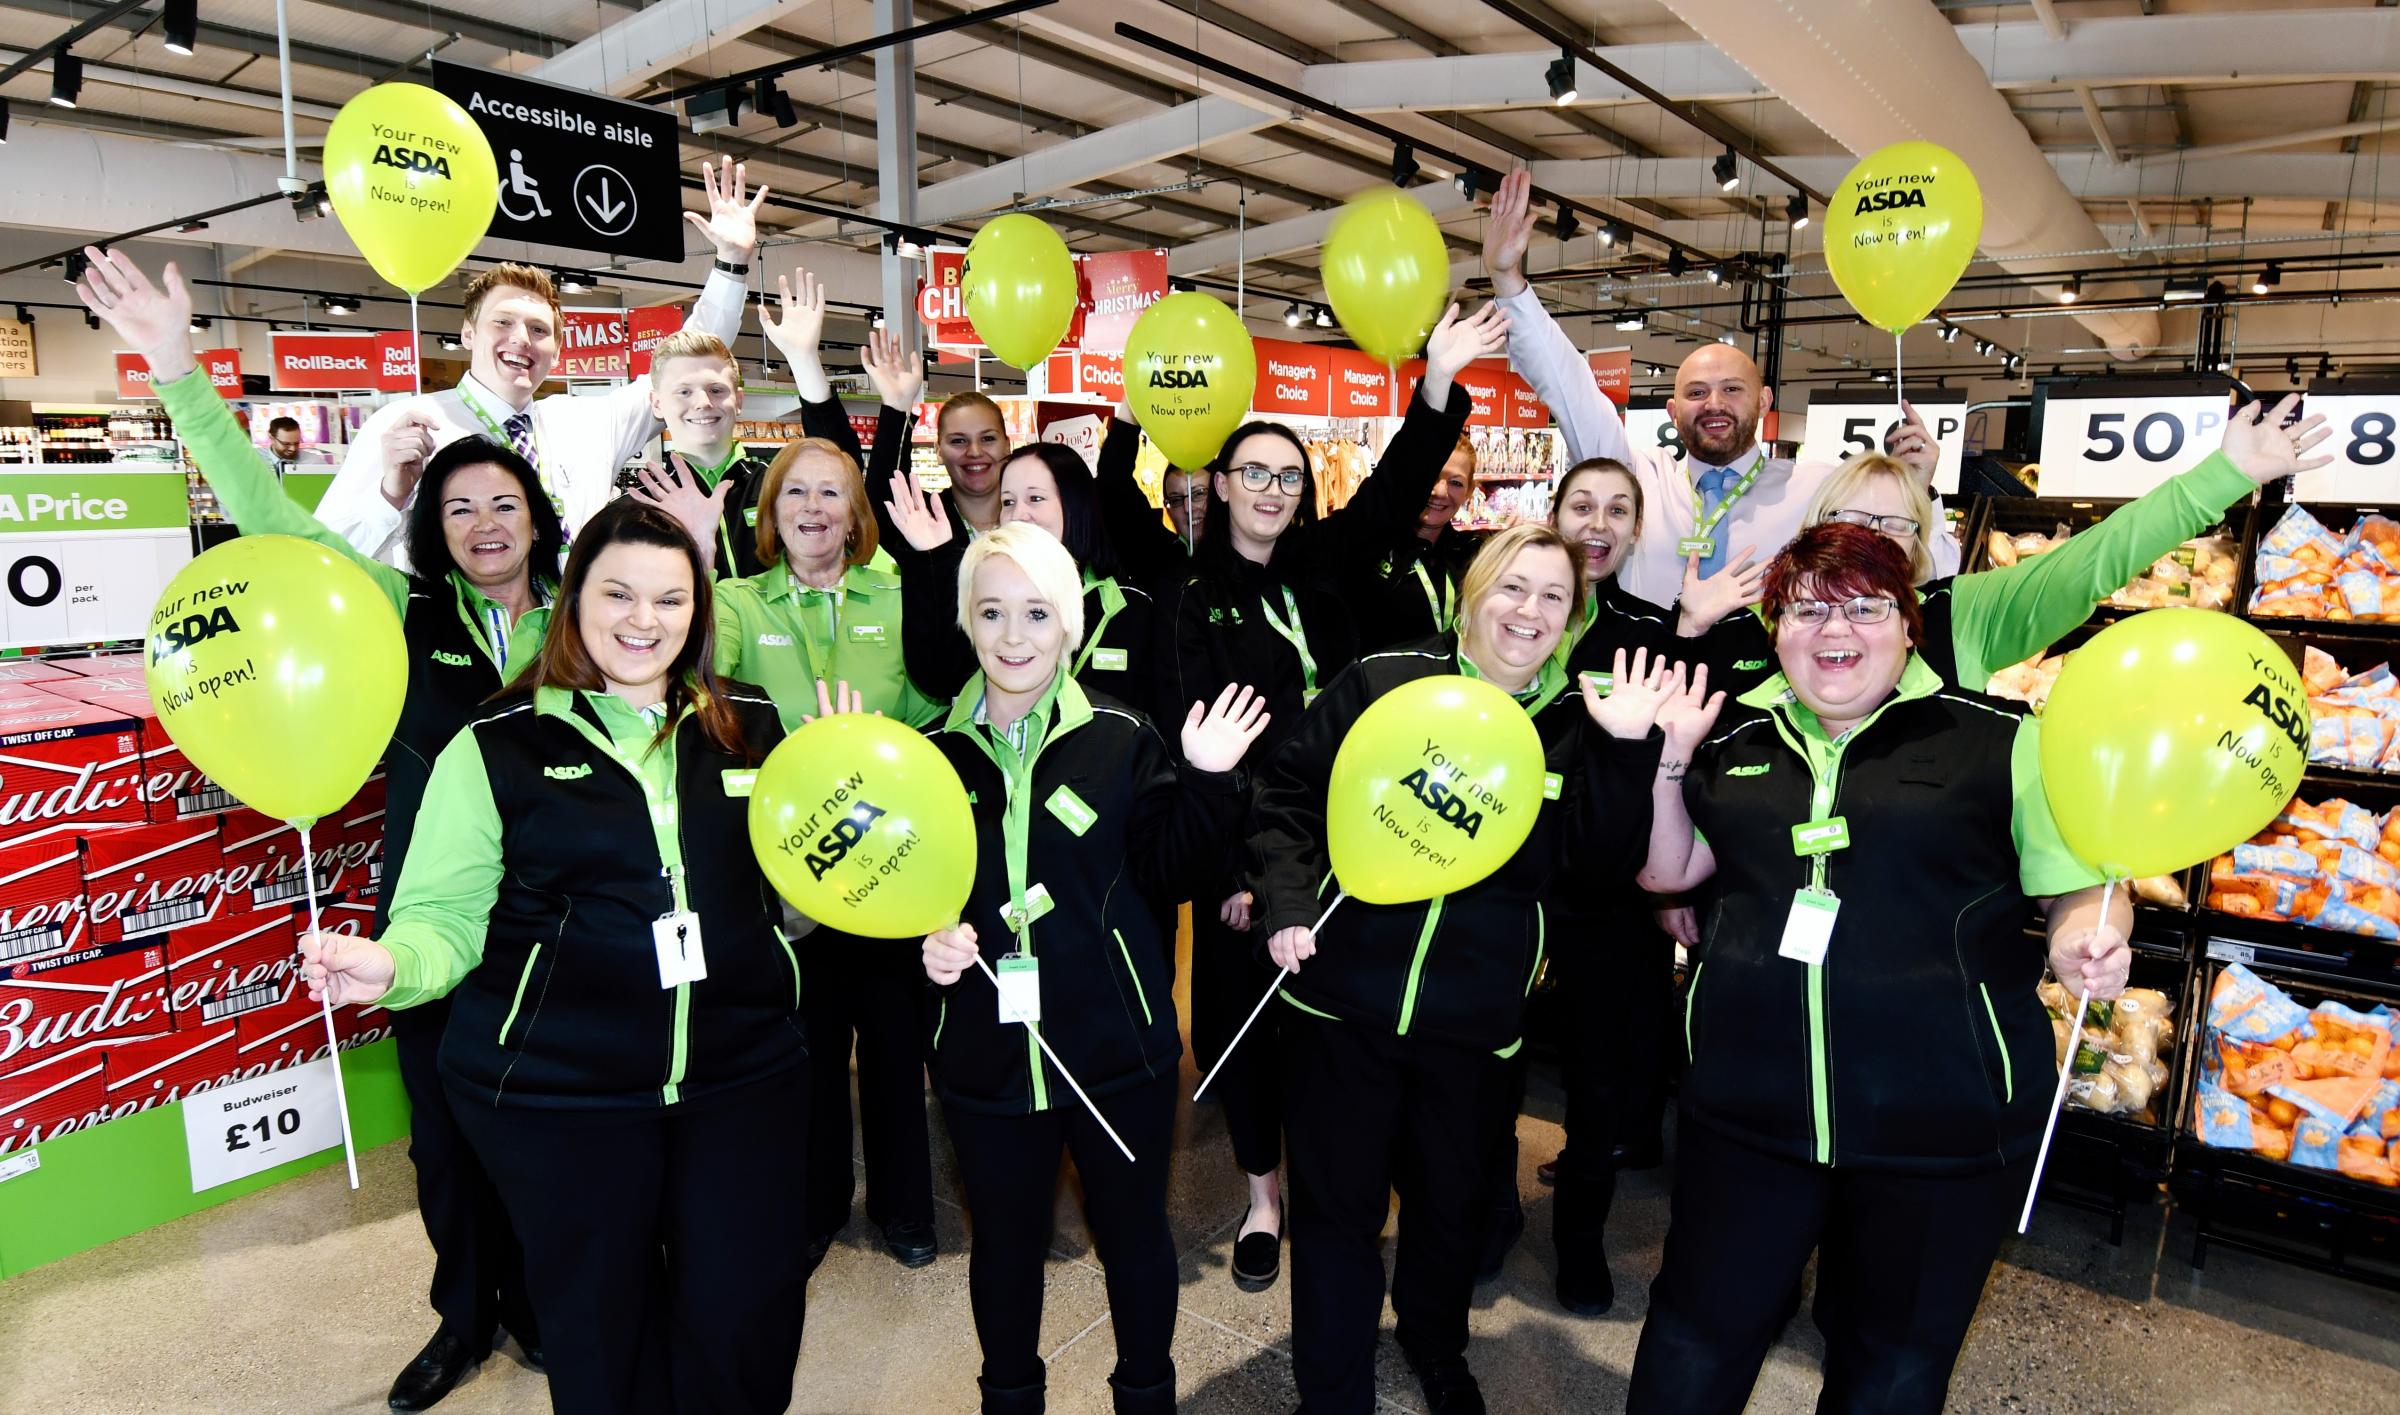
[784,636]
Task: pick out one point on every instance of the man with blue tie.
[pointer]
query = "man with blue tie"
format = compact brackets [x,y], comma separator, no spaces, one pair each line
[1731,503]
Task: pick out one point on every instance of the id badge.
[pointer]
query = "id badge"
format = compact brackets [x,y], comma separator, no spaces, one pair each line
[1702,546]
[1037,903]
[1109,660]
[1808,930]
[1020,976]
[1821,837]
[677,939]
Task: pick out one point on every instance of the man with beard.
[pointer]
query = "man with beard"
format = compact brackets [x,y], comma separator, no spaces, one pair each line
[1732,505]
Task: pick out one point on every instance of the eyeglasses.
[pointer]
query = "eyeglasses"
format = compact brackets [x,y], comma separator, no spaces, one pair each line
[1866,609]
[1190,495]
[1258,477]
[1889,525]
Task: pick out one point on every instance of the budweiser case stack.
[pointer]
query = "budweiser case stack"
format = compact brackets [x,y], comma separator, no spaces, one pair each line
[148,923]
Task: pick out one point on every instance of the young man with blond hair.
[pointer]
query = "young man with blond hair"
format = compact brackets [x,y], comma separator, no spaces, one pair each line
[512,330]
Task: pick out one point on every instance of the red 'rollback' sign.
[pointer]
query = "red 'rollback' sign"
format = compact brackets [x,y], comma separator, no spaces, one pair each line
[310,362]
[593,343]
[224,372]
[395,363]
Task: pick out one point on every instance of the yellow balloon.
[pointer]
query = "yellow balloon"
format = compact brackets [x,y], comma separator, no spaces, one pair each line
[1387,273]
[2169,739]
[1189,372]
[413,181]
[1018,283]
[863,824]
[1900,230]
[1434,787]
[278,668]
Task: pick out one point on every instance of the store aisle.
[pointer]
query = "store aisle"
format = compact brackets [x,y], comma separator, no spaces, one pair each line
[306,1298]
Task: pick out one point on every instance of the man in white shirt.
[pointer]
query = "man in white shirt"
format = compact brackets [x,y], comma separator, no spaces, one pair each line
[512,326]
[1729,497]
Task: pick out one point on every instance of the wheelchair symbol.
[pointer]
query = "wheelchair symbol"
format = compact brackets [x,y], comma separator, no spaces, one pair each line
[517,183]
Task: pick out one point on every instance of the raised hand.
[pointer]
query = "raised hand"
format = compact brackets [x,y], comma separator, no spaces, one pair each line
[917,513]
[1633,701]
[2257,441]
[801,326]
[680,496]
[732,221]
[407,441]
[1707,599]
[1456,343]
[1686,716]
[840,699]
[156,322]
[345,967]
[1913,444]
[1216,741]
[896,369]
[949,952]
[1508,231]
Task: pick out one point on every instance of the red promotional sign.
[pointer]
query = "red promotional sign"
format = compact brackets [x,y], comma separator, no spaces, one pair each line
[1612,369]
[941,303]
[594,344]
[1524,409]
[1362,388]
[1117,287]
[1485,385]
[1294,380]
[323,363]
[395,363]
[1090,375]
[224,372]
[646,326]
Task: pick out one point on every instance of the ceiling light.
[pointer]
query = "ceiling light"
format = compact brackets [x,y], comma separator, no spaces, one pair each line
[3,125]
[2268,278]
[1983,348]
[1726,337]
[1404,164]
[339,304]
[1676,265]
[311,202]
[1728,174]
[66,79]
[2291,367]
[1796,211]
[1611,233]
[1716,275]
[1949,334]
[574,282]
[189,227]
[1324,317]
[1633,319]
[2224,364]
[1465,181]
[76,264]
[774,101]
[877,321]
[182,25]
[452,343]
[1566,222]
[1295,316]
[717,108]
[2072,291]
[1561,77]
[199,322]
[2190,287]
[1883,375]
[90,320]
[25,316]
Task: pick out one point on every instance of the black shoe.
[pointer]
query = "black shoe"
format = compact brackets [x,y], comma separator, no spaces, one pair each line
[438,1369]
[531,1350]
[1449,1386]
[1647,1155]
[1257,1260]
[1587,1290]
[1506,1230]
[911,1242]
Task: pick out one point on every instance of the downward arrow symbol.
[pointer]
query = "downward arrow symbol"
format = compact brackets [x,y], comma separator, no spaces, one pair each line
[607,207]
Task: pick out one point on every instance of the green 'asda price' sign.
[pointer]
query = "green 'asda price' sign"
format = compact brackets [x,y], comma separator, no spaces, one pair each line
[50,501]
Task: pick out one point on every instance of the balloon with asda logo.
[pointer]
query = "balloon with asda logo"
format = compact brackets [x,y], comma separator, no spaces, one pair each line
[412,179]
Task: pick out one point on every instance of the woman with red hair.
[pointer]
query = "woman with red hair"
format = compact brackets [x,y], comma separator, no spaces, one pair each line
[1867,1054]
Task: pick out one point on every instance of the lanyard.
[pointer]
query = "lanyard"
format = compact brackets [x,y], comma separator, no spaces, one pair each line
[663,816]
[1016,818]
[1443,606]
[1707,526]
[820,661]
[1112,599]
[491,629]
[1293,634]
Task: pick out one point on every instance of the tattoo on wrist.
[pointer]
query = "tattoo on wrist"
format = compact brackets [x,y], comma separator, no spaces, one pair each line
[1672,770]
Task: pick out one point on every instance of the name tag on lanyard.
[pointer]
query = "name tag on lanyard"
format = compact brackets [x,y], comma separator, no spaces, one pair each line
[676,936]
[1020,977]
[1808,929]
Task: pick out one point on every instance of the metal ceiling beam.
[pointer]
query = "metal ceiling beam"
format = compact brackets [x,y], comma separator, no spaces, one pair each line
[1065,60]
[512,38]
[659,37]
[1152,138]
[240,41]
[153,81]
[2301,176]
[68,40]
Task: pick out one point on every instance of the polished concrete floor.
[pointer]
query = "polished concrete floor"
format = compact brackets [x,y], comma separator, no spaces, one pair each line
[308,1298]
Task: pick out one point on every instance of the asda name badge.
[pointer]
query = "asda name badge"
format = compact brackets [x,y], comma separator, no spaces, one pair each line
[236,1131]
[84,551]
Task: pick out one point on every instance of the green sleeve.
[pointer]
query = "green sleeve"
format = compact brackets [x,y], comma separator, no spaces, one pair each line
[247,488]
[915,708]
[443,901]
[2001,617]
[729,632]
[2045,866]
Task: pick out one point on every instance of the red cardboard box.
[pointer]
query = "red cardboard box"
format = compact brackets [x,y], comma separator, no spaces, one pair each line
[234,964]
[171,786]
[67,767]
[163,1069]
[141,881]
[102,665]
[31,670]
[41,899]
[287,1034]
[62,1002]
[262,862]
[358,870]
[16,691]
[90,687]
[60,1094]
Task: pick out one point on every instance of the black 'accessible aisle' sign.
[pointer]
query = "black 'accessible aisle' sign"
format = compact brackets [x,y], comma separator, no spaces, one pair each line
[576,169]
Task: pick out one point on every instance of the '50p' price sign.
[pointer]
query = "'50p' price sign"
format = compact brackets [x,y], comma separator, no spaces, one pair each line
[2366,435]
[2124,446]
[1842,425]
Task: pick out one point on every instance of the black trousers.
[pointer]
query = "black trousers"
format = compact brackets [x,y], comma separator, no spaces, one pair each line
[1228,979]
[1009,1166]
[478,1267]
[1370,1112]
[665,1247]
[1905,1254]
[872,989]
[1617,987]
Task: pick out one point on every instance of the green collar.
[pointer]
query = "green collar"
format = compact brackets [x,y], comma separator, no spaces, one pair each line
[551,701]
[1547,684]
[778,582]
[477,601]
[1916,681]
[1074,709]
[711,475]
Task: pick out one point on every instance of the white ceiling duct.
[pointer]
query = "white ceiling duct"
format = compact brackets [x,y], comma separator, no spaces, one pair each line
[1871,75]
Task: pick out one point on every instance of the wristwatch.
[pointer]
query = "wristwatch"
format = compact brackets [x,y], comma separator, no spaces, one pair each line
[730,268]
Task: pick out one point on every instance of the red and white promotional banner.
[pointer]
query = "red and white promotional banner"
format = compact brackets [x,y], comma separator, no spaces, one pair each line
[941,303]
[593,343]
[645,326]
[1116,287]
[395,363]
[1294,380]
[224,372]
[1612,369]
[311,362]
[1071,374]
[1362,388]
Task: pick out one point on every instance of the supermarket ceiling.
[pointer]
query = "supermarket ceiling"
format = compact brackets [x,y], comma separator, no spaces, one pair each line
[2176,129]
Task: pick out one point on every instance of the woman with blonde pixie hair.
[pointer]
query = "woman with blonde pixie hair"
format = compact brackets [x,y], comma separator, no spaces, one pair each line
[1978,624]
